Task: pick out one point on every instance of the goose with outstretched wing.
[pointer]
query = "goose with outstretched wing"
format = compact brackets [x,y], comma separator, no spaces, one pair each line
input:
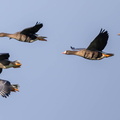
[94,50]
[6,88]
[6,63]
[27,35]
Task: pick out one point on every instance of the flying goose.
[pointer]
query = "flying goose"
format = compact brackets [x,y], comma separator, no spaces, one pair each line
[6,87]
[27,35]
[6,63]
[94,50]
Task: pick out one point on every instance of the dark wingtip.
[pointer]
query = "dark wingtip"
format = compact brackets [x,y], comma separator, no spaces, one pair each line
[5,96]
[103,31]
[72,47]
[38,23]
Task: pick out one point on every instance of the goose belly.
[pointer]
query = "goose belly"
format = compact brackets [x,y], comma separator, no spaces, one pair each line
[24,38]
[92,55]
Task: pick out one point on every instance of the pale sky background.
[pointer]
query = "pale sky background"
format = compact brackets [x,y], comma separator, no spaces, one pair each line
[54,86]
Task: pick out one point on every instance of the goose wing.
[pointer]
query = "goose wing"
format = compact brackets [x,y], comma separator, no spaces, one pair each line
[32,30]
[5,88]
[73,48]
[4,56]
[99,42]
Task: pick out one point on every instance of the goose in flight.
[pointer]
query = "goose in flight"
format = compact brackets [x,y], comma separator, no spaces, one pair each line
[94,50]
[6,88]
[27,35]
[6,63]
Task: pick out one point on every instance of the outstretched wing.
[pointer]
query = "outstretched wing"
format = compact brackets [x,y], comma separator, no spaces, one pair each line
[32,30]
[5,88]
[4,56]
[99,42]
[73,48]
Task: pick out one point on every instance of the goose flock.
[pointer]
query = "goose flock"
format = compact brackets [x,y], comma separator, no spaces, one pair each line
[93,52]
[27,35]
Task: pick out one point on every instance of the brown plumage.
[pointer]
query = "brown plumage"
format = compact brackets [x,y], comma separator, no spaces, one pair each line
[6,88]
[6,63]
[94,50]
[27,35]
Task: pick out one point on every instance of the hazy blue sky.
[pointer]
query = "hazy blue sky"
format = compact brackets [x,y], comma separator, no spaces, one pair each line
[54,86]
